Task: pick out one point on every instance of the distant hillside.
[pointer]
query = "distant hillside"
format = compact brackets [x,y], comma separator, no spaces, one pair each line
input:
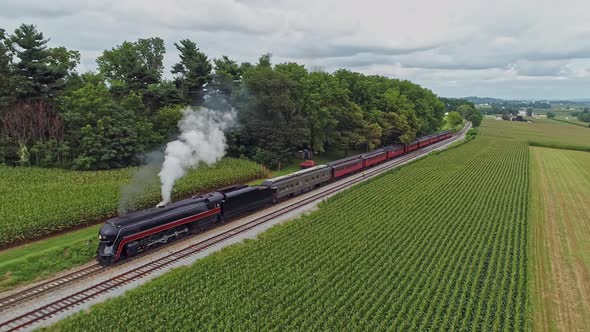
[527,103]
[485,100]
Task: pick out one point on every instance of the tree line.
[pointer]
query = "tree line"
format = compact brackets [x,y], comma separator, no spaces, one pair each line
[459,109]
[53,116]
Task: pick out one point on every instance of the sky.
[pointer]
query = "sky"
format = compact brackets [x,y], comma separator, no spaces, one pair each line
[520,49]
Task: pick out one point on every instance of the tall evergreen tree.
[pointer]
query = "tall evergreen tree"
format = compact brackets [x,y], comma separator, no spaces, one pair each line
[40,71]
[227,75]
[7,93]
[193,72]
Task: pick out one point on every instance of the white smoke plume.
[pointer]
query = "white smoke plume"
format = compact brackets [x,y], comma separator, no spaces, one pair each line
[201,140]
[133,193]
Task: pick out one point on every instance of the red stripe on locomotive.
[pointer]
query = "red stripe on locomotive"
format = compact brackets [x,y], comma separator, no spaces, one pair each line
[165,227]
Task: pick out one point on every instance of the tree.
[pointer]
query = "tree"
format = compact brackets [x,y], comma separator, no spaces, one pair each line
[166,120]
[63,60]
[398,120]
[7,81]
[193,72]
[40,71]
[160,95]
[102,132]
[550,114]
[454,119]
[451,104]
[227,75]
[470,113]
[584,115]
[271,125]
[133,66]
[264,60]
[351,128]
[465,110]
[475,119]
[32,124]
[323,98]
[395,128]
[529,112]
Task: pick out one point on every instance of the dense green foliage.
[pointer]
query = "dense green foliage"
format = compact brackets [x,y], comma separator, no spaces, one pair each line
[465,108]
[50,115]
[39,201]
[453,119]
[428,251]
[583,116]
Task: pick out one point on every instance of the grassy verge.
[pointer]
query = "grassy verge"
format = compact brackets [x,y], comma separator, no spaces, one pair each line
[38,260]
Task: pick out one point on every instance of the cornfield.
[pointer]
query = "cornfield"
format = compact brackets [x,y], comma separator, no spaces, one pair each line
[437,245]
[37,202]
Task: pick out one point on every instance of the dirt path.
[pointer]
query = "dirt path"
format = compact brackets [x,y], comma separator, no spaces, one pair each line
[560,214]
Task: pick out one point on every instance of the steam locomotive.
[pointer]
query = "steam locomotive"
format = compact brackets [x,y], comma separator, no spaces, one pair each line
[128,235]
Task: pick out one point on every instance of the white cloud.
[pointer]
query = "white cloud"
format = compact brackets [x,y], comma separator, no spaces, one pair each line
[505,48]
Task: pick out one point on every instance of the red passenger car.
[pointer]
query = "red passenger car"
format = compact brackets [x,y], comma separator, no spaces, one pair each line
[394,151]
[346,166]
[374,157]
[412,146]
[423,141]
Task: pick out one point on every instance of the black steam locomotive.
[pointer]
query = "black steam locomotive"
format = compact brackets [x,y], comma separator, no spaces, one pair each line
[133,233]
[128,235]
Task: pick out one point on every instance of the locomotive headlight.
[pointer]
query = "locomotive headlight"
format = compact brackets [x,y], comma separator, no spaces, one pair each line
[99,237]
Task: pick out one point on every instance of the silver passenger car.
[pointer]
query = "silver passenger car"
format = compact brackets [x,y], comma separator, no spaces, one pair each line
[296,183]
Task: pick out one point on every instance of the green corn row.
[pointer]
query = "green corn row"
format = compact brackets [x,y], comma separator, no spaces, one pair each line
[437,245]
[38,201]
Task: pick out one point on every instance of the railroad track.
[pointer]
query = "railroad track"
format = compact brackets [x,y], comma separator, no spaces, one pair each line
[47,286]
[55,307]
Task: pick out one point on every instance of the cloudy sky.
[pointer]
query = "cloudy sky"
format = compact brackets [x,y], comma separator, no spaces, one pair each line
[533,49]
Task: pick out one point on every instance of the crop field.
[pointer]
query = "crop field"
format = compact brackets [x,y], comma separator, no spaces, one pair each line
[572,120]
[546,133]
[438,244]
[560,220]
[37,202]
